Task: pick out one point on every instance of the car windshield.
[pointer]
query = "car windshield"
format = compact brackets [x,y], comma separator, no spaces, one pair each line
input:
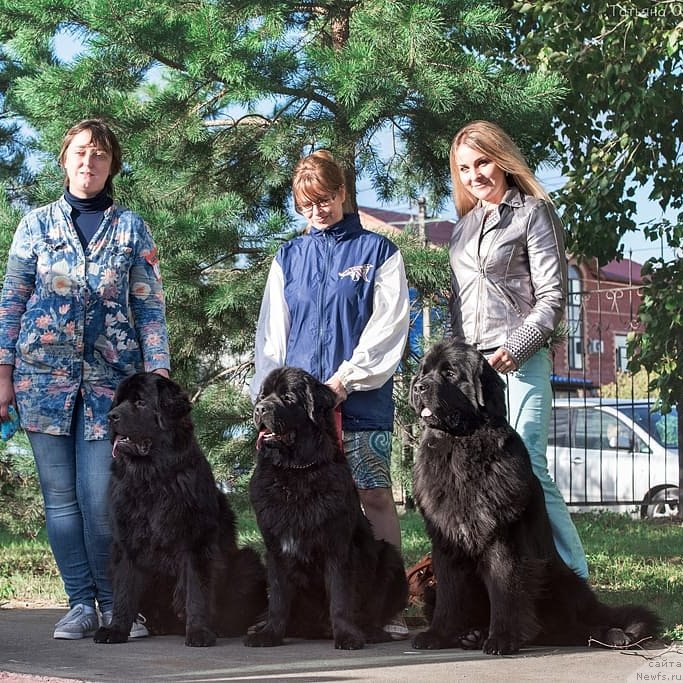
[662,428]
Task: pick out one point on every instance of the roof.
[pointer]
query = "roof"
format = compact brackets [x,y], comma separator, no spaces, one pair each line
[622,271]
[574,381]
[438,230]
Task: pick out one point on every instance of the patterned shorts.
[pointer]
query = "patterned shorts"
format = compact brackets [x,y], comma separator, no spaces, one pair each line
[369,455]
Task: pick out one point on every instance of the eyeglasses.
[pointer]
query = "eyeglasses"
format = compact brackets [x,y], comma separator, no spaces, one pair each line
[324,203]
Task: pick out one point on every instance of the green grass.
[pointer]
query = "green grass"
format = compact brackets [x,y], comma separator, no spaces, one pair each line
[28,573]
[637,561]
[629,561]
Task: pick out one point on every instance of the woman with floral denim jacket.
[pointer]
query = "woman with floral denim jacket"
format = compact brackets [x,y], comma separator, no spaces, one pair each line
[82,307]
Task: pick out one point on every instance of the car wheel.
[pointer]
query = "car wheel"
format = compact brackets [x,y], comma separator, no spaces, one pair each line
[658,505]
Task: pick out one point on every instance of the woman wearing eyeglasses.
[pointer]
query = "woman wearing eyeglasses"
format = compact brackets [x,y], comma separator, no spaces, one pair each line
[336,305]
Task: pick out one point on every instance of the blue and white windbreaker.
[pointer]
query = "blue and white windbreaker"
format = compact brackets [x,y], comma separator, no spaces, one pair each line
[336,302]
[75,320]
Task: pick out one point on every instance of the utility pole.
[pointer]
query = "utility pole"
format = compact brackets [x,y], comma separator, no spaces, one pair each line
[422,219]
[422,232]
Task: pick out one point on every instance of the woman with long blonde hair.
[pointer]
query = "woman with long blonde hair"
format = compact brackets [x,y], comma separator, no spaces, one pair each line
[494,142]
[509,290]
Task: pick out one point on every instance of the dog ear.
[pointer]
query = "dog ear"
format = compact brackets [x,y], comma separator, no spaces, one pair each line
[411,394]
[470,383]
[174,403]
[319,400]
[490,390]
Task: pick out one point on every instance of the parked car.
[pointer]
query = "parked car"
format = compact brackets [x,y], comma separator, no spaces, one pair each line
[614,455]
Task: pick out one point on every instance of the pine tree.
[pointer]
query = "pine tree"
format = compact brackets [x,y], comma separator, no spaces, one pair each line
[13,143]
[215,102]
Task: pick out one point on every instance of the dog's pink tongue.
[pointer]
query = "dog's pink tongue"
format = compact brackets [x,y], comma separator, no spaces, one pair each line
[425,412]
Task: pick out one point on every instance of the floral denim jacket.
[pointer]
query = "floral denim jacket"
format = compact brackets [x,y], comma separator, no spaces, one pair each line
[75,320]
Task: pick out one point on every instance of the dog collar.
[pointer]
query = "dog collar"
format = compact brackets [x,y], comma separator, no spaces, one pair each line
[294,467]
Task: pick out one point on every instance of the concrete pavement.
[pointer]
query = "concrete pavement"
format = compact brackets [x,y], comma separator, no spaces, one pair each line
[29,653]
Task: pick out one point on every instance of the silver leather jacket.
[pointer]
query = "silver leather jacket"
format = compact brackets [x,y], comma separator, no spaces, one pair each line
[511,292]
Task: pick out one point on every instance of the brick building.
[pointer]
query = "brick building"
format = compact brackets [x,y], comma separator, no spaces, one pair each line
[602,308]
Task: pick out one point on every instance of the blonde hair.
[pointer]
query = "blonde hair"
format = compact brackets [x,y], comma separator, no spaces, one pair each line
[103,137]
[316,177]
[491,140]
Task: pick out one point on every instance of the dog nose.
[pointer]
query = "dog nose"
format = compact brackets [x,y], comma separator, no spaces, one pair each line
[258,412]
[419,387]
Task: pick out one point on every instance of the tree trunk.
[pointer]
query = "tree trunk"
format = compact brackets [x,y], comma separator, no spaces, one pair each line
[679,409]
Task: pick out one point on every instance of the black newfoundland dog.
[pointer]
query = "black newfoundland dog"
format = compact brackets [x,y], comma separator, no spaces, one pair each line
[326,572]
[500,583]
[174,558]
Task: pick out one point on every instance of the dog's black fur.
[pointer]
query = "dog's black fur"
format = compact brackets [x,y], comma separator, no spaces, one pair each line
[500,583]
[174,558]
[325,569]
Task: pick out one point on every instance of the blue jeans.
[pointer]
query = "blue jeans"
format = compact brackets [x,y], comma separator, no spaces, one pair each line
[529,402]
[74,478]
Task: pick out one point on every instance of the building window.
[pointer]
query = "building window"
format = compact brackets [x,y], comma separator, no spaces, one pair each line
[621,359]
[574,320]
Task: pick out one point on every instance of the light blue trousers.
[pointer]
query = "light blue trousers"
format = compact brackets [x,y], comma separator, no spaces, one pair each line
[529,403]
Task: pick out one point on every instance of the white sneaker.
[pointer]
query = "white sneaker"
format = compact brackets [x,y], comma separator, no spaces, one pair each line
[79,622]
[397,628]
[137,630]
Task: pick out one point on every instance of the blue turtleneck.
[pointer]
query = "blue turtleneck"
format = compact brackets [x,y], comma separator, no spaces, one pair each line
[87,214]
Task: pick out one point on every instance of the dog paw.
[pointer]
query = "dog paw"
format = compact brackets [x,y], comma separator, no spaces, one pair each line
[616,637]
[200,637]
[348,641]
[428,640]
[110,635]
[474,639]
[266,637]
[500,645]
[376,634]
